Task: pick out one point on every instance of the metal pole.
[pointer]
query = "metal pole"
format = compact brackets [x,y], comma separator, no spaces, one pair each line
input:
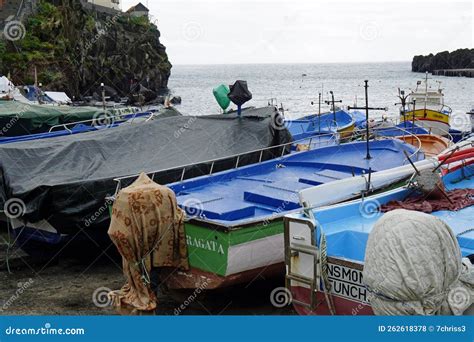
[319,114]
[333,105]
[414,115]
[367,118]
[103,94]
[404,102]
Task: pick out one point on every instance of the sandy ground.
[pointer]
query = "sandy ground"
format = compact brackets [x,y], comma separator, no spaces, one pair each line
[66,286]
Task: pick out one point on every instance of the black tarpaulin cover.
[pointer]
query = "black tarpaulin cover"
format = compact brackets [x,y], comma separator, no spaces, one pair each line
[65,180]
[239,93]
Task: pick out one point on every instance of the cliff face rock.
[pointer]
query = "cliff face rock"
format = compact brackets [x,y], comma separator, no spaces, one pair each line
[459,59]
[75,48]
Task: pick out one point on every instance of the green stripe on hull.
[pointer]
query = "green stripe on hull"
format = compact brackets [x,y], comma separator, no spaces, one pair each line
[252,233]
[208,249]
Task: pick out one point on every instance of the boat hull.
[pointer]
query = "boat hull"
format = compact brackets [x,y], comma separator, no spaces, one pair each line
[347,132]
[348,295]
[347,228]
[434,121]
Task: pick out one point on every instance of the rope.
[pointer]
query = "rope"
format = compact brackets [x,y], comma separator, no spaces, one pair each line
[470,230]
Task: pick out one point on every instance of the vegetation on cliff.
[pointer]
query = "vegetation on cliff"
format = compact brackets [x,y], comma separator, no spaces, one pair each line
[459,59]
[75,49]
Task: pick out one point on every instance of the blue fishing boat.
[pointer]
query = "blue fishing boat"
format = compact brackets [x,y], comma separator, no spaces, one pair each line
[235,227]
[100,123]
[341,122]
[340,233]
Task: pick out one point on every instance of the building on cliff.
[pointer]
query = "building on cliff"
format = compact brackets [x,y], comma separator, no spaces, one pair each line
[139,10]
[114,4]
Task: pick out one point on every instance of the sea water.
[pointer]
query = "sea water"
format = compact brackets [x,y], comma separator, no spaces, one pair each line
[297,85]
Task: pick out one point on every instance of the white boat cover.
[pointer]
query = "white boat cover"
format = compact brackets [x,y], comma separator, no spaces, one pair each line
[5,85]
[58,97]
[413,266]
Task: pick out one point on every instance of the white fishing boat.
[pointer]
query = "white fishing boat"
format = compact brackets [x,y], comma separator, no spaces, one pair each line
[426,108]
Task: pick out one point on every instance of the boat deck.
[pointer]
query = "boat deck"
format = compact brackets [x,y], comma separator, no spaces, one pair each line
[270,189]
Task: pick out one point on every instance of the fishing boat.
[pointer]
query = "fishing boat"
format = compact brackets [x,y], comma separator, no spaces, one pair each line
[339,121]
[426,108]
[235,227]
[337,237]
[431,144]
[99,123]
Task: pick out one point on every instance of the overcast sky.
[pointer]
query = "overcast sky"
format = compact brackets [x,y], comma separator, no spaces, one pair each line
[308,31]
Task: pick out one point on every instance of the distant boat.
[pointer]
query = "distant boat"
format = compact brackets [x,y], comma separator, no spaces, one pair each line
[341,122]
[346,228]
[426,108]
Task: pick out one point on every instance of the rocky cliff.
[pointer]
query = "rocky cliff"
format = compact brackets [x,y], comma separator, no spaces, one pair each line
[459,59]
[75,48]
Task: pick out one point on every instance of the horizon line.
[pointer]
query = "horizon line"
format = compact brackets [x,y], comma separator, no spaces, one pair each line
[284,63]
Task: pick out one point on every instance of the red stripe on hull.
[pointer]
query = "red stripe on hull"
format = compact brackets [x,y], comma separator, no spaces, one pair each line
[343,306]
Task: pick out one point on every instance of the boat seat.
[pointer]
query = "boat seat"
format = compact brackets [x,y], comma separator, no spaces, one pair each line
[273,197]
[326,176]
[255,179]
[215,208]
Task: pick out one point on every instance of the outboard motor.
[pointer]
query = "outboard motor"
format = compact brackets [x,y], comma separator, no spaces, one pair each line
[239,94]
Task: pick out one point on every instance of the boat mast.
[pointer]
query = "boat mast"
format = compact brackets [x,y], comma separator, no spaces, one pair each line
[426,90]
[333,104]
[367,109]
[403,101]
[319,114]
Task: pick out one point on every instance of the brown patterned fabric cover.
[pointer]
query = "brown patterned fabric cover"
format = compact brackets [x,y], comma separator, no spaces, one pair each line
[147,228]
[460,199]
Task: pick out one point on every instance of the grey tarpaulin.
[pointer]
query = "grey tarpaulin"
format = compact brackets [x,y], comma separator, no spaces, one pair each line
[65,180]
[413,266]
